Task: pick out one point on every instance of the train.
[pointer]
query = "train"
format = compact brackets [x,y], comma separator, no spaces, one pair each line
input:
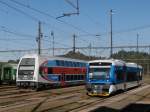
[8,73]
[106,77]
[37,71]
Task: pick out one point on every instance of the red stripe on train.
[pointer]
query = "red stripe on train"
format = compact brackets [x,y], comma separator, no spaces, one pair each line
[65,70]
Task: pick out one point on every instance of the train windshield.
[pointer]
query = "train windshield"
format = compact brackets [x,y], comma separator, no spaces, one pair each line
[99,73]
[27,64]
[26,69]
[28,61]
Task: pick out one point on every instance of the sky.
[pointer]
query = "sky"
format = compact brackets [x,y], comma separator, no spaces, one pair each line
[19,24]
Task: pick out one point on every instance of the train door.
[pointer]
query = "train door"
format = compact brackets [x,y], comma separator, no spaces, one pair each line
[63,80]
[14,74]
[7,74]
[0,75]
[125,77]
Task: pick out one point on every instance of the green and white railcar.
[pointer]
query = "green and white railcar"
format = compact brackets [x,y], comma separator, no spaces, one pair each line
[8,73]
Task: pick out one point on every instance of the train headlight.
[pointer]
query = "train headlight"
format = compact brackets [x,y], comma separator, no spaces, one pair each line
[95,86]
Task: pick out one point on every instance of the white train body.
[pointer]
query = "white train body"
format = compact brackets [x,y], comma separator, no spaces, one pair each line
[34,71]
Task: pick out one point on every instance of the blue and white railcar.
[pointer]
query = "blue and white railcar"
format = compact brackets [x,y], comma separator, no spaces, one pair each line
[105,77]
[133,75]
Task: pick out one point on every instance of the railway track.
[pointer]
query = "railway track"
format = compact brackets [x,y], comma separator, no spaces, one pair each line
[32,103]
[6,87]
[72,99]
[113,100]
[23,98]
[80,105]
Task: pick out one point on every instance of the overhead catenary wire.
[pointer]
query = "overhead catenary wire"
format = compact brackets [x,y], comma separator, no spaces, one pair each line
[138,28]
[5,29]
[57,43]
[48,15]
[18,10]
[36,19]
[102,34]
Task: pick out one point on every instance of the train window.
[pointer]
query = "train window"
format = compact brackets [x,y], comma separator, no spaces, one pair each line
[73,64]
[67,77]
[70,63]
[78,77]
[57,62]
[82,77]
[59,77]
[100,64]
[78,64]
[131,76]
[82,64]
[61,63]
[72,77]
[119,75]
[49,70]
[67,63]
[75,77]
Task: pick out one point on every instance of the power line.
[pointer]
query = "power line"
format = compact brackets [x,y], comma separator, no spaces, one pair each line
[46,14]
[58,43]
[4,29]
[36,19]
[18,10]
[72,13]
[13,39]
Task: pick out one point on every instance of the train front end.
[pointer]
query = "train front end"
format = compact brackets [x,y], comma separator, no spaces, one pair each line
[99,81]
[26,71]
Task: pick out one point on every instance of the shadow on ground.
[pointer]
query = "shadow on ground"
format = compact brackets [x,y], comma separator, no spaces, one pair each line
[129,108]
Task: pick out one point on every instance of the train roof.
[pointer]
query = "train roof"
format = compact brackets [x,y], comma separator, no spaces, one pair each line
[133,65]
[113,61]
[13,65]
[51,57]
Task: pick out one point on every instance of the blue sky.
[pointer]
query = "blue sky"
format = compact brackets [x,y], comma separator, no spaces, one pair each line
[93,19]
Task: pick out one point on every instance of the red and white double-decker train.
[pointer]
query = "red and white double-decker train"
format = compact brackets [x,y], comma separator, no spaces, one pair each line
[37,71]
